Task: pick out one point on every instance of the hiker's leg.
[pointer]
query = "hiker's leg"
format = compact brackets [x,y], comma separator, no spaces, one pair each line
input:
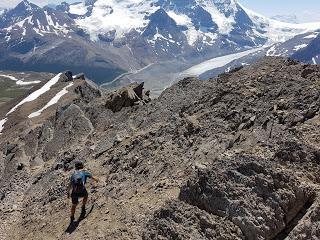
[83,208]
[73,210]
[75,201]
[84,201]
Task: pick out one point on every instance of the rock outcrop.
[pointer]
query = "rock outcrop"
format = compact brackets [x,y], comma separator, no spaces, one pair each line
[234,157]
[126,97]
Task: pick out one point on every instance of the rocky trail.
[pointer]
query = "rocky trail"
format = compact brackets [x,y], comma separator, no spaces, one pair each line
[234,157]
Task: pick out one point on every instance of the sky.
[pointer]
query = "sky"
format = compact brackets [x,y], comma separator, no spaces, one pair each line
[305,10]
[12,3]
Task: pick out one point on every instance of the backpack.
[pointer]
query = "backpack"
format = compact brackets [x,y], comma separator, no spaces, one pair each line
[78,182]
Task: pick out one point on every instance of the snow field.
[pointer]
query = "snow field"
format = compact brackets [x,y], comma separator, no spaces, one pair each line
[33,96]
[53,101]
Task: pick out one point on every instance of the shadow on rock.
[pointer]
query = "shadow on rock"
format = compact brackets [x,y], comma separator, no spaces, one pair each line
[74,225]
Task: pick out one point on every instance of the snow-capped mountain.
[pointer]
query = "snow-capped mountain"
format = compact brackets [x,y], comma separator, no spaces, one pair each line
[28,19]
[105,38]
[293,45]
[309,53]
[1,10]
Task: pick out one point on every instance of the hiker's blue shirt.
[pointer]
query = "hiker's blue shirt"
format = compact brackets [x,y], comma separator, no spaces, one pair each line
[85,175]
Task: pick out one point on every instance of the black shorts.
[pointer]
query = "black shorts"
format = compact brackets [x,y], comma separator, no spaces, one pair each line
[75,196]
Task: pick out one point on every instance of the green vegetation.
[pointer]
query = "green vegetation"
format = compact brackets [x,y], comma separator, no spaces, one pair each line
[9,90]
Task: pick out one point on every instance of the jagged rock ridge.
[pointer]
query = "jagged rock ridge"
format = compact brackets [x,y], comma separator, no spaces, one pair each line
[234,157]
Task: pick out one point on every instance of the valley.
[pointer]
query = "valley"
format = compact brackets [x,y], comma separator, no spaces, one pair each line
[152,35]
[193,119]
[15,84]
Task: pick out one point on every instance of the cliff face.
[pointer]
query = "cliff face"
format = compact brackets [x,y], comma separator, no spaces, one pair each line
[235,157]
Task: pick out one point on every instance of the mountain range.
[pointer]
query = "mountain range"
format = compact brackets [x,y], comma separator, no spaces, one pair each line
[236,157]
[116,42]
[290,18]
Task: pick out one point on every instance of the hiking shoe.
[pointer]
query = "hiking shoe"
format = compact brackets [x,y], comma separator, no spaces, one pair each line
[83,212]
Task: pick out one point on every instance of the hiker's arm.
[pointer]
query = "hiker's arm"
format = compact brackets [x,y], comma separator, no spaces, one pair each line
[68,190]
[95,179]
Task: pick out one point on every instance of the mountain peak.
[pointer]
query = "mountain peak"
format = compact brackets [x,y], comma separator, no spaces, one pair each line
[89,2]
[26,5]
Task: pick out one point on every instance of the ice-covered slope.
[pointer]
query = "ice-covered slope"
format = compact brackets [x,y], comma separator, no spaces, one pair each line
[310,53]
[121,16]
[124,16]
[198,17]
[218,62]
[277,31]
[290,47]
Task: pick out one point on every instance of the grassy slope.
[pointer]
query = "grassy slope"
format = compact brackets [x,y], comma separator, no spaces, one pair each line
[9,90]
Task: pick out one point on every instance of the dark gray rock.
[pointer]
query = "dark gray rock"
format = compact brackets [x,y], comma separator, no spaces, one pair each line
[124,97]
[234,157]
[66,77]
[88,91]
[2,196]
[220,191]
[79,76]
[173,221]
[71,128]
[9,148]
[20,166]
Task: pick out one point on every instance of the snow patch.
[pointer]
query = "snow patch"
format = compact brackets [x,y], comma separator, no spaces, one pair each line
[37,31]
[180,19]
[24,33]
[271,51]
[53,101]
[24,83]
[216,63]
[314,61]
[78,9]
[2,122]
[19,82]
[121,16]
[183,20]
[49,19]
[314,35]
[224,23]
[8,76]
[33,96]
[296,48]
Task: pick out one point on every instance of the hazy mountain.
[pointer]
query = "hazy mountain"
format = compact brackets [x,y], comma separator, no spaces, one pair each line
[291,18]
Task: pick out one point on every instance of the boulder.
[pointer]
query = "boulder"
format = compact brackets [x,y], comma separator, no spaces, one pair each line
[88,91]
[9,148]
[79,76]
[66,77]
[177,220]
[251,193]
[125,97]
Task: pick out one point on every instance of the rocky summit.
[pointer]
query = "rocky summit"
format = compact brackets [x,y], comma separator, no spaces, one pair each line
[233,157]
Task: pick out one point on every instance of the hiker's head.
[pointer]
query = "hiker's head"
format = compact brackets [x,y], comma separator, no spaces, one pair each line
[78,165]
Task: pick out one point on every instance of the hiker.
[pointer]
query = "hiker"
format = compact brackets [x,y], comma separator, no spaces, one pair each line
[77,185]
